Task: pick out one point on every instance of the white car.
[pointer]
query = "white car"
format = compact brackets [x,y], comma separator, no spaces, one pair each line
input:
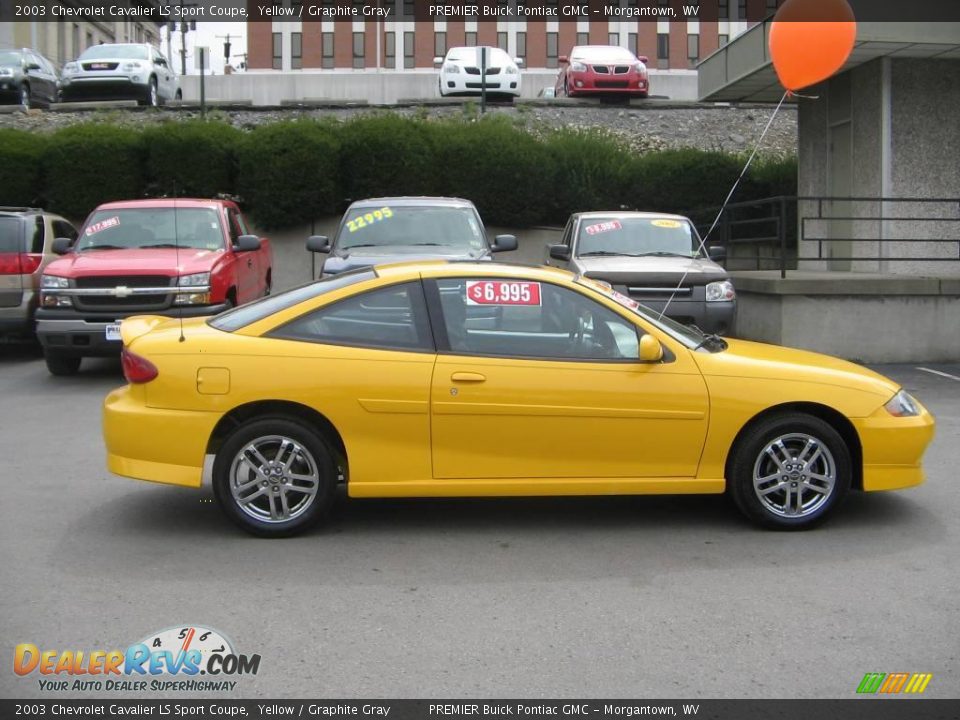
[121,71]
[460,72]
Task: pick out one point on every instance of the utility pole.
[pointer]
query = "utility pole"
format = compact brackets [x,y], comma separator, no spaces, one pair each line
[226,48]
[184,28]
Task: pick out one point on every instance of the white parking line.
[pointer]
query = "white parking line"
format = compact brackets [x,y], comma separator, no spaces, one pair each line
[941,374]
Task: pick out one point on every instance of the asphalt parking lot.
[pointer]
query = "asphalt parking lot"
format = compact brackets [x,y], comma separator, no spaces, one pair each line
[609,597]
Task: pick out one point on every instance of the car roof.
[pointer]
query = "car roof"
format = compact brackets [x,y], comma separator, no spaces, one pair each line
[628,213]
[163,202]
[457,268]
[412,201]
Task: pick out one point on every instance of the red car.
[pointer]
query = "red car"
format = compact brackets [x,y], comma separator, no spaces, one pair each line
[602,70]
[181,258]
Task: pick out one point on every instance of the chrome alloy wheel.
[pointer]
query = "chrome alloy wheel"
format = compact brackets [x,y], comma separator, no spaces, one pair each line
[274,479]
[794,475]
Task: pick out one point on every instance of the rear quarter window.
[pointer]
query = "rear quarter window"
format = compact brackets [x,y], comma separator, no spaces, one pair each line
[11,235]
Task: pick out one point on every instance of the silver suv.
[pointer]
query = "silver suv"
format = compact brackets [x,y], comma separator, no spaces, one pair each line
[121,72]
[27,78]
[26,240]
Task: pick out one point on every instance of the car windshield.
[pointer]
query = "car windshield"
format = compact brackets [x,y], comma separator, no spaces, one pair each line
[471,56]
[122,52]
[11,234]
[689,336]
[10,57]
[637,236]
[411,225]
[604,54]
[240,317]
[153,227]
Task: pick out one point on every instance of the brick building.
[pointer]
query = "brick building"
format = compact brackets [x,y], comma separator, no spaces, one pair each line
[407,42]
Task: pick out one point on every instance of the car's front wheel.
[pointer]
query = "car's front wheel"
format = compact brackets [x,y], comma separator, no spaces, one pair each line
[25,95]
[274,477]
[789,471]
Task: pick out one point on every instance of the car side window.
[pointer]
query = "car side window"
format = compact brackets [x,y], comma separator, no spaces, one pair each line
[64,229]
[234,226]
[392,318]
[36,239]
[522,318]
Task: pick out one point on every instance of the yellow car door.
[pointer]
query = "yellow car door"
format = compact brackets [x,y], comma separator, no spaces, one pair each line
[536,380]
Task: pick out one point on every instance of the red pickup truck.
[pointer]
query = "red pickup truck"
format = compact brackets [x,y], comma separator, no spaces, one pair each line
[158,257]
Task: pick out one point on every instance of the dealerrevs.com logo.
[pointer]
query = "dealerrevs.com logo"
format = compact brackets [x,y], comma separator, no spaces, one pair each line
[170,660]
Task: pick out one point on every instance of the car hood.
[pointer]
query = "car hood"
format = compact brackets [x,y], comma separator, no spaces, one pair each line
[651,270]
[133,261]
[744,358]
[341,261]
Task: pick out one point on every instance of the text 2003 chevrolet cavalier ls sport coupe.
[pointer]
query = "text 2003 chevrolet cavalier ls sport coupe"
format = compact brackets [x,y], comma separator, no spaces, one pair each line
[478,379]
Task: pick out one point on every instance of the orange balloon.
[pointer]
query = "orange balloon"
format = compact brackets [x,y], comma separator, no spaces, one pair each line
[810,40]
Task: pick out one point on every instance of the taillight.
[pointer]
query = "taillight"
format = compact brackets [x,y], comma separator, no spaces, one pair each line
[19,263]
[137,369]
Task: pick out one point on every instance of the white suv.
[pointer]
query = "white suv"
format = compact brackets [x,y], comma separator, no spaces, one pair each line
[121,72]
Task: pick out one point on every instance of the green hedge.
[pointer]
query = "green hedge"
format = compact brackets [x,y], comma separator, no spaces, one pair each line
[20,167]
[89,164]
[291,172]
[190,159]
[288,172]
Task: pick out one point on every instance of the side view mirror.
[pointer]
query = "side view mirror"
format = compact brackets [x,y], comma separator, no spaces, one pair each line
[651,351]
[559,252]
[246,243]
[504,243]
[61,246]
[33,66]
[563,59]
[518,62]
[318,243]
[437,61]
[717,253]
[643,58]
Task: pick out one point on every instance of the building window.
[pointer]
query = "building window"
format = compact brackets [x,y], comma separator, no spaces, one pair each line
[723,39]
[358,59]
[439,44]
[502,41]
[663,50]
[693,49]
[771,6]
[278,51]
[632,43]
[741,9]
[723,10]
[75,47]
[296,50]
[89,39]
[583,38]
[552,42]
[297,7]
[326,60]
[408,57]
[522,45]
[390,49]
[470,39]
[613,38]
[408,8]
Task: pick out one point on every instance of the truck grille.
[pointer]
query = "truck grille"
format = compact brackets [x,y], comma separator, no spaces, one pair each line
[132,302]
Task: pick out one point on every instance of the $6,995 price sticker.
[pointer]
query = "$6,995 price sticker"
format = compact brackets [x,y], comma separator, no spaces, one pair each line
[502,292]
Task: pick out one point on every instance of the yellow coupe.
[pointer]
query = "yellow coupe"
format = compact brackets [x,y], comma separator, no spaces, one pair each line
[478,379]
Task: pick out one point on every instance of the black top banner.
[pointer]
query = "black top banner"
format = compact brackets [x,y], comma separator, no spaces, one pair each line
[857,709]
[752,11]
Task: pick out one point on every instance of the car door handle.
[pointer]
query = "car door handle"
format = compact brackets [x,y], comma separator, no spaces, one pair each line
[249,262]
[468,377]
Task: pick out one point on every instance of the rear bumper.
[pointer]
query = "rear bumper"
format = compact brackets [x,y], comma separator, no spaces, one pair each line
[84,334]
[18,319]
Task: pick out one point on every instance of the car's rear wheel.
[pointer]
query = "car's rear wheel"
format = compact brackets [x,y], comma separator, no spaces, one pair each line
[789,471]
[274,477]
[62,364]
[152,96]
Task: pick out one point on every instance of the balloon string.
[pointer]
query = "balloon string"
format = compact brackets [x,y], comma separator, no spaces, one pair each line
[703,240]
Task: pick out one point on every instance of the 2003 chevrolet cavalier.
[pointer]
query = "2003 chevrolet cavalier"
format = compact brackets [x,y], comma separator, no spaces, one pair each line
[477,379]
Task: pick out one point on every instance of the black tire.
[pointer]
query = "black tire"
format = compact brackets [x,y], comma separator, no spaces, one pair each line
[314,454]
[61,364]
[152,96]
[179,96]
[789,479]
[268,284]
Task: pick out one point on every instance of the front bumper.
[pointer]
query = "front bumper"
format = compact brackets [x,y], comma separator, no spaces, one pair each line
[464,84]
[84,334]
[9,90]
[588,83]
[893,448]
[104,87]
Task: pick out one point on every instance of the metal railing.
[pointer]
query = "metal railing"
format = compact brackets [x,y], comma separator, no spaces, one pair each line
[767,233]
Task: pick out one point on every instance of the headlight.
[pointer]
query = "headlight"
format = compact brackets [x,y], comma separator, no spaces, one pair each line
[6,72]
[512,70]
[451,69]
[127,67]
[902,405]
[49,282]
[641,68]
[718,291]
[195,280]
[70,67]
[577,66]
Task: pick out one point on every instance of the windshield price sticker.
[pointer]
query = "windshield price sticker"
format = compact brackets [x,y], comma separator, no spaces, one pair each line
[624,300]
[369,218]
[102,225]
[502,292]
[603,227]
[665,223]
